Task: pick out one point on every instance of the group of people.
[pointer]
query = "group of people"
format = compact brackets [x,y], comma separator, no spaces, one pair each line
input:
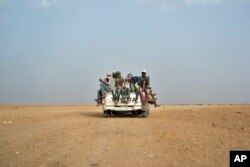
[121,87]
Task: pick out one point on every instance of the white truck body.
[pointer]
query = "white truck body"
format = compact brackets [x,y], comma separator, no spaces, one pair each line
[109,106]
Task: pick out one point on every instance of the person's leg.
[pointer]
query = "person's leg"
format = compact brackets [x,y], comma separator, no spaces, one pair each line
[125,95]
[128,94]
[113,94]
[144,95]
[102,86]
[136,94]
[104,89]
[150,99]
[154,101]
[118,94]
[99,95]
[153,98]
[155,104]
[122,94]
[139,92]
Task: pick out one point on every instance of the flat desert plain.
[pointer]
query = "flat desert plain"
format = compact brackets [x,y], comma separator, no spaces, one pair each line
[173,135]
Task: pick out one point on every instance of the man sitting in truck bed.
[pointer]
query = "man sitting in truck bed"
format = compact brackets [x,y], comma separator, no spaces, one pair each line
[132,85]
[107,85]
[143,82]
[118,86]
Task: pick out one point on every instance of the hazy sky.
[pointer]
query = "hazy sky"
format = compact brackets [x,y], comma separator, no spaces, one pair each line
[54,51]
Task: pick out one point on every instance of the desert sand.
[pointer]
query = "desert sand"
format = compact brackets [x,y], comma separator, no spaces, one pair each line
[173,135]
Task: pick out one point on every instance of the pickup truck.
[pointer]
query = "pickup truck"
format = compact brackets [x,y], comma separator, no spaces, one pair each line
[140,108]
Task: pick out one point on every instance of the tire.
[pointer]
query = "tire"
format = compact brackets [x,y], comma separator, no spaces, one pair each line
[145,114]
[106,114]
[148,110]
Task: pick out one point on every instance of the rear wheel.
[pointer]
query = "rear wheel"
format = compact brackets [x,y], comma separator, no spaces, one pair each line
[107,114]
[145,113]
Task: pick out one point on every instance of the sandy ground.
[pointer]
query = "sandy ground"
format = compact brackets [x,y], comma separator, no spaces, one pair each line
[60,136]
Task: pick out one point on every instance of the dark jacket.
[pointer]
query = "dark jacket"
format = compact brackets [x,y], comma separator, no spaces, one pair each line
[141,80]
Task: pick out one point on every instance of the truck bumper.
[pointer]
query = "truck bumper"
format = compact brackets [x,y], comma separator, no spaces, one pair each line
[122,108]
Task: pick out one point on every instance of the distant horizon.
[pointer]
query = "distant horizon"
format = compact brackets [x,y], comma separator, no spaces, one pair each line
[94,104]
